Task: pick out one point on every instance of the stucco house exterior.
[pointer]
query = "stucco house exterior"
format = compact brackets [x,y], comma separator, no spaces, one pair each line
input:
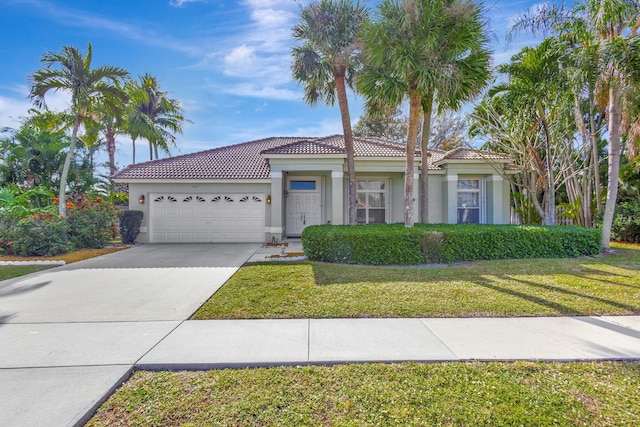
[271,189]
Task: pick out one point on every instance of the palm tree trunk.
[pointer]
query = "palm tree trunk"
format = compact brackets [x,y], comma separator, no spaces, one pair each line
[415,104]
[133,140]
[111,149]
[427,108]
[550,216]
[595,164]
[348,145]
[150,151]
[615,119]
[593,134]
[62,194]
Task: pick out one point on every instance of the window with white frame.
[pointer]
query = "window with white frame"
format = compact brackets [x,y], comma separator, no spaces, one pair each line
[470,201]
[371,201]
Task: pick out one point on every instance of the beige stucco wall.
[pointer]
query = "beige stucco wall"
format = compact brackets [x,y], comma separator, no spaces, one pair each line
[331,170]
[496,191]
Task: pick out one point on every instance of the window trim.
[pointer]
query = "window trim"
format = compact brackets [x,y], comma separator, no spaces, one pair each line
[387,197]
[482,209]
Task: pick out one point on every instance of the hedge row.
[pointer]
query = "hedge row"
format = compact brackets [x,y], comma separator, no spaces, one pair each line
[444,243]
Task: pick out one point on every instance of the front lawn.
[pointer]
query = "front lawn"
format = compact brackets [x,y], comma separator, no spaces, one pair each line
[11,271]
[547,287]
[408,394]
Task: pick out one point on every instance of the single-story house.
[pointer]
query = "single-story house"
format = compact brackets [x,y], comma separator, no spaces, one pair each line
[271,189]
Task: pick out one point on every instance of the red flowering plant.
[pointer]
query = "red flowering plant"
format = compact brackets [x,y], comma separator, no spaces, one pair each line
[41,234]
[91,220]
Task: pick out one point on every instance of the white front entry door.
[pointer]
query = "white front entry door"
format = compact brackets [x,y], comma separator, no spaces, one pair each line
[304,202]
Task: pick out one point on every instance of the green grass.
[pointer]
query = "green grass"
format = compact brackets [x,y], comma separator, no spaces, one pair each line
[11,271]
[548,287]
[408,394]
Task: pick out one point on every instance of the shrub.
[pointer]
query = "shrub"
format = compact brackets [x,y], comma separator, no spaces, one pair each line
[37,235]
[626,222]
[130,225]
[91,221]
[433,243]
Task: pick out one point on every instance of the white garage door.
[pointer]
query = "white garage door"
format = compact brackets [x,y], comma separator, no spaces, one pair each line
[184,218]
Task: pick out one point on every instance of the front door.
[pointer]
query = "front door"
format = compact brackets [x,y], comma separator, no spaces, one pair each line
[304,202]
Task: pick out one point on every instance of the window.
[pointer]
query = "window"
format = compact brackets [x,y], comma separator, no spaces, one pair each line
[469,201]
[371,201]
[302,185]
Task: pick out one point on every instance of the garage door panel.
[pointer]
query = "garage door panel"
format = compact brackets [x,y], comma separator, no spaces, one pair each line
[182,218]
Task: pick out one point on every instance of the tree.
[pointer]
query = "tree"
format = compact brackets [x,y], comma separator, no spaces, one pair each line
[431,52]
[327,61]
[153,116]
[88,88]
[536,86]
[111,124]
[612,27]
[447,129]
[391,124]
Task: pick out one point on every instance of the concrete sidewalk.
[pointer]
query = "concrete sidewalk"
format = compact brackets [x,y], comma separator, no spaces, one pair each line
[244,343]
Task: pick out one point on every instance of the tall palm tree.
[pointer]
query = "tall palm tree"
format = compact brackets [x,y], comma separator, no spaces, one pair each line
[71,72]
[154,116]
[461,62]
[326,62]
[433,52]
[613,25]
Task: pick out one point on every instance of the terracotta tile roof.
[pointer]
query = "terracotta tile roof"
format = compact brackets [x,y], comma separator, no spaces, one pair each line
[465,153]
[313,146]
[334,144]
[247,160]
[239,161]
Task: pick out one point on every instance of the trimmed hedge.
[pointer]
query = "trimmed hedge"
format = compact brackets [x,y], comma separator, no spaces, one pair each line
[444,243]
[130,222]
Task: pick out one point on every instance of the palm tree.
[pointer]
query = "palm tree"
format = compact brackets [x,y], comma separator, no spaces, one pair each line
[432,52]
[153,116]
[612,25]
[88,88]
[536,85]
[462,69]
[327,61]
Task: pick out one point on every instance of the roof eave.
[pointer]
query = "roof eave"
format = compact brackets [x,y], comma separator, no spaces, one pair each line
[467,161]
[191,181]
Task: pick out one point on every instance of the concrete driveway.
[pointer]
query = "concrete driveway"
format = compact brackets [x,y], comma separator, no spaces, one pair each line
[70,334]
[145,283]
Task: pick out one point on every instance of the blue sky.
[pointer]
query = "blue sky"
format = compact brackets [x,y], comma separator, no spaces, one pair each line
[228,62]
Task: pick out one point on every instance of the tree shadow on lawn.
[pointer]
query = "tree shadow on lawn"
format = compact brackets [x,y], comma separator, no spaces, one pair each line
[559,307]
[490,274]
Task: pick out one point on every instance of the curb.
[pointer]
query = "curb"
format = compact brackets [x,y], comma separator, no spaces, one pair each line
[4,263]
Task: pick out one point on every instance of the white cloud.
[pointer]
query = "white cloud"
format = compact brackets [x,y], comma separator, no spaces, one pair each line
[16,106]
[11,110]
[323,128]
[180,3]
[240,62]
[259,55]
[252,90]
[79,18]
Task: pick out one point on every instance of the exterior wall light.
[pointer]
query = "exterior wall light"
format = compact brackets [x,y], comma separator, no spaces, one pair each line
[141,199]
[269,199]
